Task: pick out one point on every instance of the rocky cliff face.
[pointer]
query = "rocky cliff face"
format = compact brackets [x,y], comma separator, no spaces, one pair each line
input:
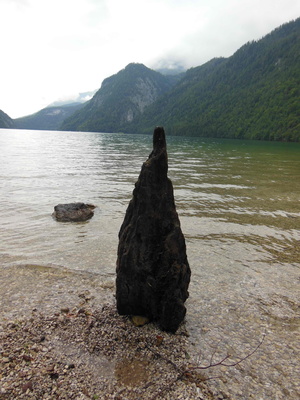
[145,92]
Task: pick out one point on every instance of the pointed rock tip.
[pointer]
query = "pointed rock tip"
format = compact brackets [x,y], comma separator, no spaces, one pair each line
[159,139]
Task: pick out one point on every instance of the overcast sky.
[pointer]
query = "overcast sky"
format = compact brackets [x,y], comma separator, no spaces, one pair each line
[54,49]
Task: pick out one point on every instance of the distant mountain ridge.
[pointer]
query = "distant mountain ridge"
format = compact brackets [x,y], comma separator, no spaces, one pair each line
[49,118]
[121,98]
[5,121]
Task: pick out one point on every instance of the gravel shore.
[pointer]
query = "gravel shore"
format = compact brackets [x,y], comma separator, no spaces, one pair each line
[88,353]
[61,338]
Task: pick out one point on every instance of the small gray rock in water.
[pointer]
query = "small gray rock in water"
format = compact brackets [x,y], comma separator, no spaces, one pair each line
[73,212]
[153,273]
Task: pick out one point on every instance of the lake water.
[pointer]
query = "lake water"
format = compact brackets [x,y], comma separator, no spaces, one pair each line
[238,203]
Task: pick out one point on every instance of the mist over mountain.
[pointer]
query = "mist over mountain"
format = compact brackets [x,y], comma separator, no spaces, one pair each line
[78,98]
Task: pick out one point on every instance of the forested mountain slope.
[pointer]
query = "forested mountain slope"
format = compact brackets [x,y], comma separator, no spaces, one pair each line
[49,118]
[254,94]
[5,121]
[121,98]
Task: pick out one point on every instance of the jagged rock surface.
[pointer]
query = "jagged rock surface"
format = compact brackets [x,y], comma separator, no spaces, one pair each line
[153,273]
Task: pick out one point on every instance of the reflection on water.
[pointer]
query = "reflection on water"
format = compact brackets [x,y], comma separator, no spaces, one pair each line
[238,203]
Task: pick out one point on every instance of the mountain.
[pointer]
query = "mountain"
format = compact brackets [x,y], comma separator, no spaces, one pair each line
[254,94]
[121,98]
[49,118]
[5,121]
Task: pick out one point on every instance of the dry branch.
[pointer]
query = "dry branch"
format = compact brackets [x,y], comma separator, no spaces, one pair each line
[186,371]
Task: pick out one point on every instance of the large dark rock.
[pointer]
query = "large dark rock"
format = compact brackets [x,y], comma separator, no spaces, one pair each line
[73,212]
[153,273]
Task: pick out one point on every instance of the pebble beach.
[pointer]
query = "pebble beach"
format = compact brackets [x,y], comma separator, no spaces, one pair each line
[80,349]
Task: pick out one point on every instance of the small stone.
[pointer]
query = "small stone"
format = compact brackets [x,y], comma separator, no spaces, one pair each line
[61,318]
[11,325]
[159,340]
[85,295]
[54,375]
[27,358]
[73,212]
[27,386]
[139,320]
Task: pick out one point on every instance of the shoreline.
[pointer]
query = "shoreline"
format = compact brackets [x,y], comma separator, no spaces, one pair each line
[71,303]
[88,353]
[61,337]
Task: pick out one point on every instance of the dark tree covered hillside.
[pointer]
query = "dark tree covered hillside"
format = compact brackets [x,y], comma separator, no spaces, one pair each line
[254,94]
[5,121]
